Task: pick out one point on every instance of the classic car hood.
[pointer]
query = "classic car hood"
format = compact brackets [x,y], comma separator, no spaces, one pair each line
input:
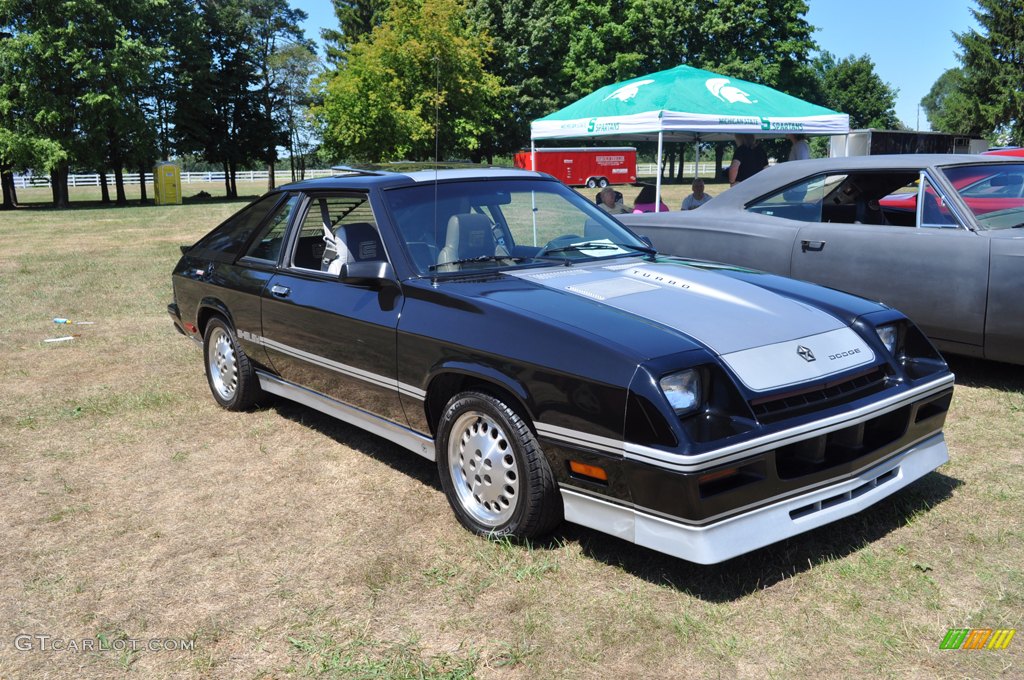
[754,330]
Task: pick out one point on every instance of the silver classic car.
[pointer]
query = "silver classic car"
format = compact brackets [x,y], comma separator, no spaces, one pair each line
[940,237]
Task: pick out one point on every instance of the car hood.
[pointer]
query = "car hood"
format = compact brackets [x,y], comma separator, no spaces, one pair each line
[768,339]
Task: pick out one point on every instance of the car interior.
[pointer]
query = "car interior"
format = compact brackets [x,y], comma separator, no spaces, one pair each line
[852,198]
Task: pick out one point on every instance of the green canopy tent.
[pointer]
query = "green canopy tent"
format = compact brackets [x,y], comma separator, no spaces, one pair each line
[686,104]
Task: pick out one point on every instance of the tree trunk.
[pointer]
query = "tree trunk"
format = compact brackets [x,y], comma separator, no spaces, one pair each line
[122,199]
[59,186]
[270,175]
[104,189]
[143,198]
[227,180]
[10,194]
[671,164]
[233,167]
[719,154]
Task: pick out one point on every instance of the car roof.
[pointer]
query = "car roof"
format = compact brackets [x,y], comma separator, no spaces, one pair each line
[364,179]
[779,175]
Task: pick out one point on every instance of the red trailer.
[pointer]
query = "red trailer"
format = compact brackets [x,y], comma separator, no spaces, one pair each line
[584,166]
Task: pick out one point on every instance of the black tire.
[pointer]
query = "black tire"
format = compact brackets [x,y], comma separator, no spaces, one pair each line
[591,183]
[229,372]
[602,182]
[493,471]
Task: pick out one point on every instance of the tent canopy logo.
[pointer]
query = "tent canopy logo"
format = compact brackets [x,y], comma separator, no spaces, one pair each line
[721,88]
[629,90]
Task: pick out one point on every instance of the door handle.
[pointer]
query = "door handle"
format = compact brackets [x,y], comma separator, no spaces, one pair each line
[280,291]
[813,246]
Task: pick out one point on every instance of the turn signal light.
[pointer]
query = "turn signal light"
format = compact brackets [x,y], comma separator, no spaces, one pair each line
[591,471]
[719,474]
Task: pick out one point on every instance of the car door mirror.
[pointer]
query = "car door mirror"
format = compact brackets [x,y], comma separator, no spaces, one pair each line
[366,273]
[647,241]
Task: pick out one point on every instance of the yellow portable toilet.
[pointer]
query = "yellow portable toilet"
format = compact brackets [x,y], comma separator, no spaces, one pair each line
[167,184]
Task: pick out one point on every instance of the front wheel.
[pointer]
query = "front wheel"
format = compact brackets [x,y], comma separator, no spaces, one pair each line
[493,471]
[229,371]
[591,183]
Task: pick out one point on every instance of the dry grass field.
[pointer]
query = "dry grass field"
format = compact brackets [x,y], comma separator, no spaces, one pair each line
[280,543]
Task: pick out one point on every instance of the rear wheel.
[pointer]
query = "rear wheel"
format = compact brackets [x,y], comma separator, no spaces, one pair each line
[591,183]
[602,183]
[493,470]
[229,372]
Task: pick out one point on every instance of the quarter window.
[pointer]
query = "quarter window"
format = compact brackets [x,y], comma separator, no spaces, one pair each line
[224,243]
[267,245]
[801,202]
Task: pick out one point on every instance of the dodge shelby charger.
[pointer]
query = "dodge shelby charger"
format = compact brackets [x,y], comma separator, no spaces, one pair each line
[554,366]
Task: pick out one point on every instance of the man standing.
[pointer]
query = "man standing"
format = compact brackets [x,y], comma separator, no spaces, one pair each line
[748,158]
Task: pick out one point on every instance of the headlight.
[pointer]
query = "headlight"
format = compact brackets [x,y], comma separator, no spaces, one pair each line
[889,335]
[682,391]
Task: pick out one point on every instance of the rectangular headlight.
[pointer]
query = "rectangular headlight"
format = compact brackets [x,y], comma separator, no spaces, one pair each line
[682,391]
[889,335]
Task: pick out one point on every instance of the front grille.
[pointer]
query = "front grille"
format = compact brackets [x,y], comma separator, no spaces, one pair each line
[799,402]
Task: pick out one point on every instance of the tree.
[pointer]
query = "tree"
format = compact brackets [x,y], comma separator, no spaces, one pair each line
[552,53]
[993,67]
[950,109]
[414,88]
[293,69]
[851,85]
[274,26]
[356,20]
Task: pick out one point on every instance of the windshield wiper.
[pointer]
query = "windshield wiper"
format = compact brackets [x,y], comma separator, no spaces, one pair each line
[479,258]
[597,245]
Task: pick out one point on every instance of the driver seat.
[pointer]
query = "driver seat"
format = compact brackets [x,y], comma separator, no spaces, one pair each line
[468,235]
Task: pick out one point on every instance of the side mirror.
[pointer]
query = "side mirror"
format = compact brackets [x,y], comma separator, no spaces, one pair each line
[647,240]
[366,273]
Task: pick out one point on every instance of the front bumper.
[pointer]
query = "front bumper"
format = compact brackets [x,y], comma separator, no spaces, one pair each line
[739,534]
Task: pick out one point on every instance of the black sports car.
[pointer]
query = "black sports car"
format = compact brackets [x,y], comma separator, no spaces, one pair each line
[555,366]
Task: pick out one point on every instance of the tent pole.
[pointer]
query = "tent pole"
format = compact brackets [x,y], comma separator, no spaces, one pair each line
[533,195]
[657,183]
[696,157]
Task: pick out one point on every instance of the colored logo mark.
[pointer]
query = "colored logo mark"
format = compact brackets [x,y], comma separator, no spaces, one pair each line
[977,638]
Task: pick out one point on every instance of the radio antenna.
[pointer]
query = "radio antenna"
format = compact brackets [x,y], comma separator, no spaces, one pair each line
[437,135]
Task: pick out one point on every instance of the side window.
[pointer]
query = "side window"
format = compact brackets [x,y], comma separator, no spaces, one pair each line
[224,243]
[801,201]
[932,211]
[336,229]
[267,245]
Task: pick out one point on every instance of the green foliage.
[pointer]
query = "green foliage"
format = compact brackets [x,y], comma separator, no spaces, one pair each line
[992,89]
[950,109]
[851,85]
[421,68]
[356,20]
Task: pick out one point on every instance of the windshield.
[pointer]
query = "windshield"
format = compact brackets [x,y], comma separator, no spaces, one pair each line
[994,193]
[499,224]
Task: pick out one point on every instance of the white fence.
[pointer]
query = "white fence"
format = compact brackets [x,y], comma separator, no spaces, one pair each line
[281,176]
[707,169]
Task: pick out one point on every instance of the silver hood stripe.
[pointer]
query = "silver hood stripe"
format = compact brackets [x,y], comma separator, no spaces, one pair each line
[756,331]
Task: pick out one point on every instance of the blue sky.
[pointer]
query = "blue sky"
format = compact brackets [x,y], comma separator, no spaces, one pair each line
[910,41]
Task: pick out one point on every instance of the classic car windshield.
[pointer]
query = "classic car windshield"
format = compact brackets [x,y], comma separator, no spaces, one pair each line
[490,224]
[994,193]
